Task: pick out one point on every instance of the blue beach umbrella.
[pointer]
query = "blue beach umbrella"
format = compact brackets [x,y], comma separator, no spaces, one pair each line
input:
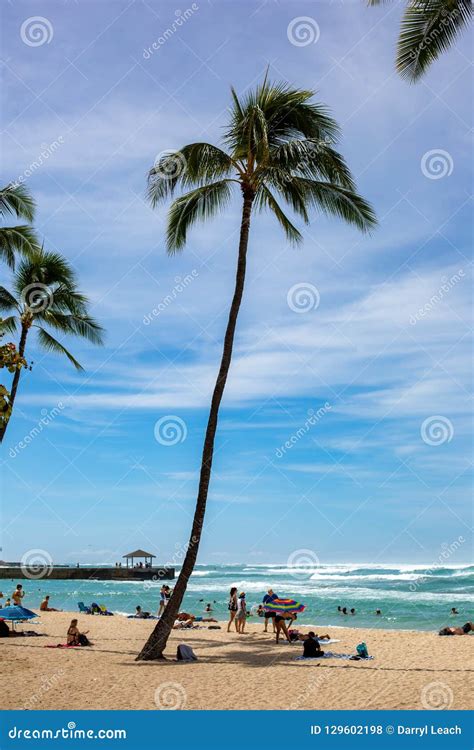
[15,613]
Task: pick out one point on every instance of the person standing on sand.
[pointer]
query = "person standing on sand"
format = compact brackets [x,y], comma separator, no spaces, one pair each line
[241,615]
[232,607]
[269,597]
[164,599]
[281,624]
[18,595]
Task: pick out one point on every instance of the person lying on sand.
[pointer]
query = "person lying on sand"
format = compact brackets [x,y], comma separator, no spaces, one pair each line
[140,613]
[311,647]
[44,606]
[75,637]
[466,628]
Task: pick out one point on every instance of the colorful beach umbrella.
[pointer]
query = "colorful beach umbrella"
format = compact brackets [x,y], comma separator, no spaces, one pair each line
[284,605]
[15,612]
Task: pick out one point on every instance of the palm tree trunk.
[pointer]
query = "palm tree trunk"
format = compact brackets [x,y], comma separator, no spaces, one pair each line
[15,381]
[156,644]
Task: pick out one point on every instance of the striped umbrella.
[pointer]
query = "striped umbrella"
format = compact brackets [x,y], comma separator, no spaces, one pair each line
[284,605]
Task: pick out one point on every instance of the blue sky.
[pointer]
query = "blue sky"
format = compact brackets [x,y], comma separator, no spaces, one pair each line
[360,484]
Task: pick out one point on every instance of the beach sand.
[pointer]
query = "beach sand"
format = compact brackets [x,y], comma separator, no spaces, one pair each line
[411,670]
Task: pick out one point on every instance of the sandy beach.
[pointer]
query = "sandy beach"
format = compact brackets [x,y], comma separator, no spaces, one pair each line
[411,670]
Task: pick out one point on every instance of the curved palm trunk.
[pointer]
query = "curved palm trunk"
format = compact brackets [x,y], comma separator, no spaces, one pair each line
[15,381]
[154,647]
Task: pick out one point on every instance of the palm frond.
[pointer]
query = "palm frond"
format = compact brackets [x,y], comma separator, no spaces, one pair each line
[9,325]
[337,201]
[313,159]
[266,199]
[77,325]
[49,269]
[49,343]
[201,203]
[428,29]
[16,199]
[17,240]
[8,301]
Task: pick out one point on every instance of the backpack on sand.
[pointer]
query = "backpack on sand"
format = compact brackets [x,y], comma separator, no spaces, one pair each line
[185,653]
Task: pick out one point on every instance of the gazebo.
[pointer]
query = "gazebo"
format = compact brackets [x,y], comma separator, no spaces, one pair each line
[139,553]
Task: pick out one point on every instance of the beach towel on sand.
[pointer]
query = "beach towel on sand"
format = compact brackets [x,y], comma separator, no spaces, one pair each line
[331,655]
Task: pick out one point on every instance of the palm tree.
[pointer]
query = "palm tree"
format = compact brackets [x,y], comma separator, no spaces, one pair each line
[278,142]
[428,28]
[44,296]
[16,200]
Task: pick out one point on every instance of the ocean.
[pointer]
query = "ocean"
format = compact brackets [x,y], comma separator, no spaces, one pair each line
[409,596]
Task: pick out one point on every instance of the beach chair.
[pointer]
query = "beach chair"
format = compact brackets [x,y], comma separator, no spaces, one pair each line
[82,608]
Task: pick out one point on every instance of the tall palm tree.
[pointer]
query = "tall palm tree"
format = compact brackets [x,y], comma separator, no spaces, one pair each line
[45,295]
[17,201]
[428,28]
[278,143]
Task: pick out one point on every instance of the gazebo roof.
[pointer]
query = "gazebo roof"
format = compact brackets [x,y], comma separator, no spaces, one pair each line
[139,553]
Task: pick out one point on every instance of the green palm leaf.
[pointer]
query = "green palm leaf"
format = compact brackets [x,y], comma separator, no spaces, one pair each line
[52,345]
[266,199]
[17,200]
[21,239]
[201,203]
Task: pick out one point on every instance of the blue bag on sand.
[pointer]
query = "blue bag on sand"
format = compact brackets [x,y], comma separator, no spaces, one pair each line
[362,650]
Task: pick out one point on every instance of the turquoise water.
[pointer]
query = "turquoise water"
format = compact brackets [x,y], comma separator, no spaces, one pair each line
[410,596]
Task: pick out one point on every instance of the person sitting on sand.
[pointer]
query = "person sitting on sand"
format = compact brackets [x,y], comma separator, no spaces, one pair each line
[7,602]
[280,624]
[18,595]
[44,606]
[466,628]
[241,614]
[75,637]
[454,611]
[311,647]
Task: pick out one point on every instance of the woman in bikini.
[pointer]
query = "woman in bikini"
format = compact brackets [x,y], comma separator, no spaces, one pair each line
[280,624]
[75,637]
[232,607]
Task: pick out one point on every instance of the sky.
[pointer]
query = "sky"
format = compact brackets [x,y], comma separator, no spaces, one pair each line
[344,432]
